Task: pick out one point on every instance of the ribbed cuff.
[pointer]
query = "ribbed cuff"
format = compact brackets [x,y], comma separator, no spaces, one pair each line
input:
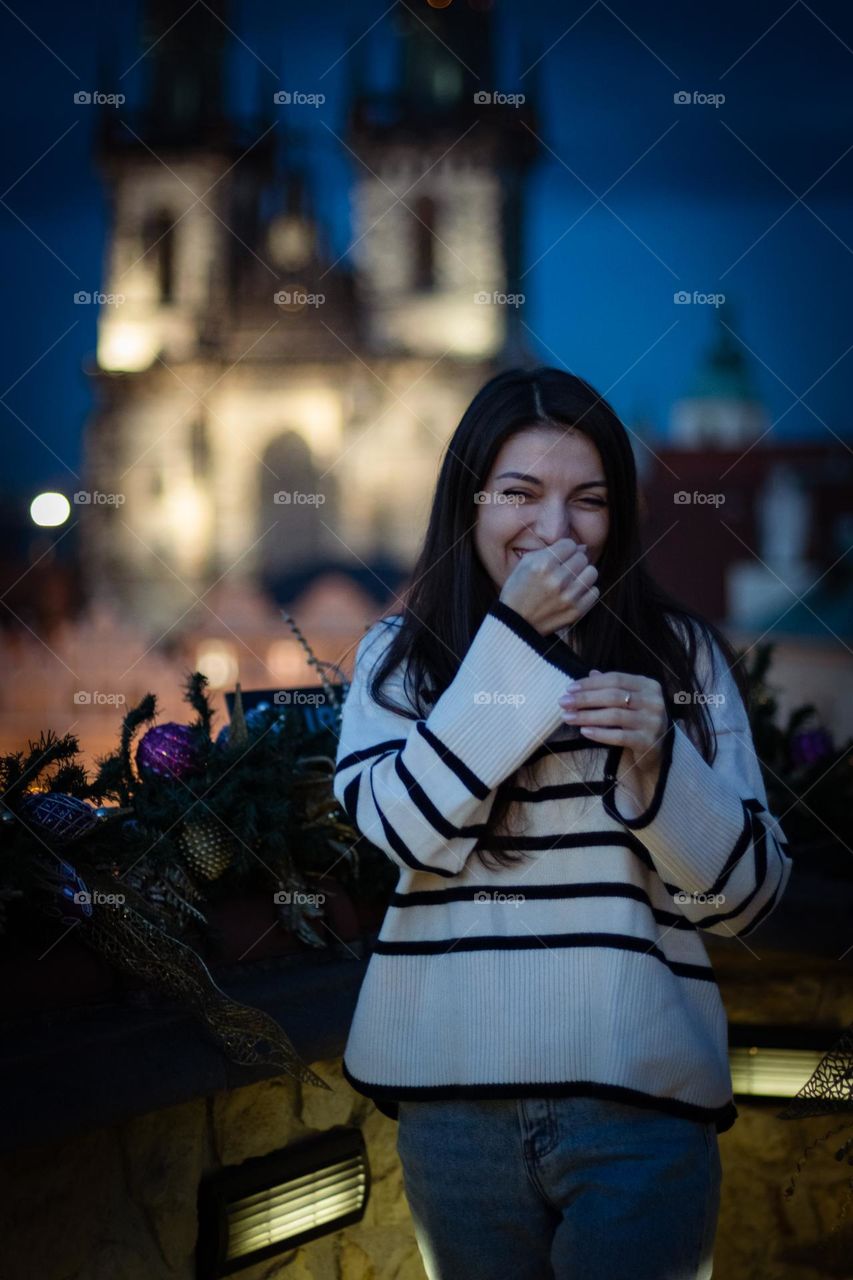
[550,647]
[503,701]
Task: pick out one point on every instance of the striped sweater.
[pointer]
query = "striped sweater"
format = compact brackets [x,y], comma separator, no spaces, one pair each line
[581,970]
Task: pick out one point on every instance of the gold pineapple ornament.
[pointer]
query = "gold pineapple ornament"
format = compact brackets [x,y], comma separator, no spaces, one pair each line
[206,847]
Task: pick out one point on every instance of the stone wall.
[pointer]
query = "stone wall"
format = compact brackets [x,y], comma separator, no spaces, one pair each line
[120,1203]
[762,1235]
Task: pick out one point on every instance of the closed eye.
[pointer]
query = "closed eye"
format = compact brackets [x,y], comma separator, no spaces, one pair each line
[519,493]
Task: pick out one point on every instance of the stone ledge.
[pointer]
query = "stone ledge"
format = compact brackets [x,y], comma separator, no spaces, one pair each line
[77,1069]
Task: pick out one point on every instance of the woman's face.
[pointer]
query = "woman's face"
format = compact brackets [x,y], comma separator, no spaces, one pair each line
[563,495]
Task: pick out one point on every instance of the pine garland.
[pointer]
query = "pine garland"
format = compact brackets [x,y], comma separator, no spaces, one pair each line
[270,790]
[137,857]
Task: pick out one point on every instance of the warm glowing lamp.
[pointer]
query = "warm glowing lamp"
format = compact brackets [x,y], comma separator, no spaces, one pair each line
[50,509]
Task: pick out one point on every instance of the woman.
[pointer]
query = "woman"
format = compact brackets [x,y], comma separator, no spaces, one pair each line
[557,756]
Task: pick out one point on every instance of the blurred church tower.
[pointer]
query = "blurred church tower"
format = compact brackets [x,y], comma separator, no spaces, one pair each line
[721,411]
[270,413]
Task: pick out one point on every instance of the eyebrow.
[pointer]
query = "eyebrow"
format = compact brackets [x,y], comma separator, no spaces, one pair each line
[520,475]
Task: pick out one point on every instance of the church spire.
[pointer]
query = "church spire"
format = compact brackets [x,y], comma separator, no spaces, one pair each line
[446,58]
[184,73]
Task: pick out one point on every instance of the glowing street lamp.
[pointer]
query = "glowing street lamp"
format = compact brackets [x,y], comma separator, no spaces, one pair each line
[50,509]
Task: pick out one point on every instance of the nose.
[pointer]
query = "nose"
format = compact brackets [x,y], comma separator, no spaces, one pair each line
[552,523]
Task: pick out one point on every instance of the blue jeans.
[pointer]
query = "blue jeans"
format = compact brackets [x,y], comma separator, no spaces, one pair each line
[572,1188]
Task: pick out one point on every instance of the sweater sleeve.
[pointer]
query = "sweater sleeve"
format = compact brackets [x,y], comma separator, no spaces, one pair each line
[718,850]
[422,789]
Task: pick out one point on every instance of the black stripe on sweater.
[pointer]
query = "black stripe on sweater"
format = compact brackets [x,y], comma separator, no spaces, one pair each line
[579,839]
[396,843]
[611,765]
[353,789]
[758,840]
[469,779]
[555,791]
[547,942]
[768,906]
[540,893]
[569,840]
[366,753]
[427,809]
[350,798]
[743,842]
[388,1096]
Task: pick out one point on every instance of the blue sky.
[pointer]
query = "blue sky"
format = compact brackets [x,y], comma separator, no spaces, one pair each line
[692,193]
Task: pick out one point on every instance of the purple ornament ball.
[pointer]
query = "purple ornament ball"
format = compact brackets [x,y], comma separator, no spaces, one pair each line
[811,745]
[168,751]
[58,817]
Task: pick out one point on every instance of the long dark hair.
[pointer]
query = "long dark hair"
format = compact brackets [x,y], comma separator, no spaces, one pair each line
[450,591]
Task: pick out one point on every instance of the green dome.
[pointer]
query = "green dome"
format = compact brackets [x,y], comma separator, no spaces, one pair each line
[724,373]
